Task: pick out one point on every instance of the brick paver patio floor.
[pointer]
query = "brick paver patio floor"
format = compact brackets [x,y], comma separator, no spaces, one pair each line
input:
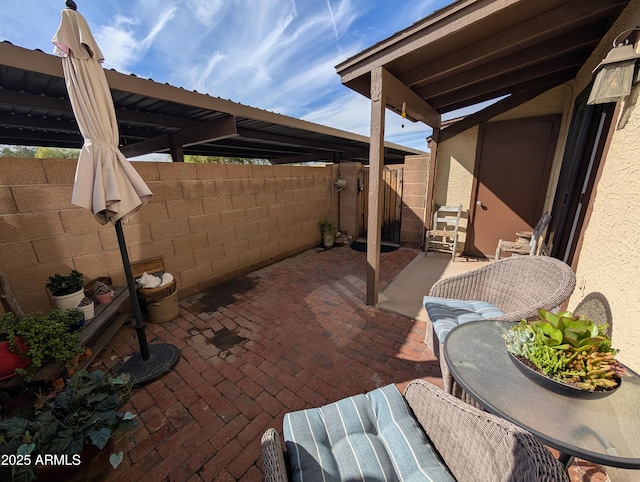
[293,335]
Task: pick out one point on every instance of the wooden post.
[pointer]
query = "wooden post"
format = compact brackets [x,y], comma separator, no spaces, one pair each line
[431,175]
[376,168]
[386,90]
[7,296]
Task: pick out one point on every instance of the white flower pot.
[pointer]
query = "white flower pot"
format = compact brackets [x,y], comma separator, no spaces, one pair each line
[329,239]
[88,310]
[67,302]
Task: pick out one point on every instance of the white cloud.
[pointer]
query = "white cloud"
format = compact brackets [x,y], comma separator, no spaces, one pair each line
[352,112]
[124,42]
[208,12]
[277,55]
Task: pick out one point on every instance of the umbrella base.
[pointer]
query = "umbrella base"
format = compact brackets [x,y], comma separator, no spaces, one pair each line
[162,358]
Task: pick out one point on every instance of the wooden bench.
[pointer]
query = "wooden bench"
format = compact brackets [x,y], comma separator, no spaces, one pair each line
[95,335]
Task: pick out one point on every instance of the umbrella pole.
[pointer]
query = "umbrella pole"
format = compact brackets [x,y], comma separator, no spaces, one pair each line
[152,362]
[142,337]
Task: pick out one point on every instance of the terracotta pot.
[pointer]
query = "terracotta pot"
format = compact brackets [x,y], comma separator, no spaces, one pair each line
[9,361]
[105,298]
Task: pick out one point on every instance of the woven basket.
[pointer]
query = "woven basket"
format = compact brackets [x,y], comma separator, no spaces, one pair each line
[151,295]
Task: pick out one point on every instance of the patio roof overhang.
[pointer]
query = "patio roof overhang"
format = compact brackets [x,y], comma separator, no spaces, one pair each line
[160,118]
[473,51]
[502,52]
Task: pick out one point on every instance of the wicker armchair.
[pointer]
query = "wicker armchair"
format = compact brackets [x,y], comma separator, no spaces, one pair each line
[517,286]
[473,445]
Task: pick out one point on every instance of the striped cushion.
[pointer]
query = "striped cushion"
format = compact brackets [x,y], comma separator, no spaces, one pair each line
[365,437]
[445,314]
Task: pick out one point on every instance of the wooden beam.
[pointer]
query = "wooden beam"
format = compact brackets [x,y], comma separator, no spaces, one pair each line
[511,40]
[485,114]
[396,93]
[442,23]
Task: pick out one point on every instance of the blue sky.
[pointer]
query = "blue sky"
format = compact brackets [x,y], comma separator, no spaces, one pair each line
[277,55]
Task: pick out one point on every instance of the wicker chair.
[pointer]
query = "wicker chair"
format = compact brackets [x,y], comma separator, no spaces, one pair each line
[535,245]
[473,445]
[595,307]
[517,286]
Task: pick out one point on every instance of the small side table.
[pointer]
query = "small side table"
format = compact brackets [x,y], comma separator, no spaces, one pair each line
[603,430]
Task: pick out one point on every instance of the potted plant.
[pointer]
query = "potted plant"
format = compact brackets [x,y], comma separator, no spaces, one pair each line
[567,349]
[44,338]
[103,292]
[77,424]
[9,361]
[87,306]
[329,232]
[67,291]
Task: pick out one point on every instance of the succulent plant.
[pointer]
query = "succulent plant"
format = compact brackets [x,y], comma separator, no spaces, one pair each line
[85,302]
[100,288]
[567,348]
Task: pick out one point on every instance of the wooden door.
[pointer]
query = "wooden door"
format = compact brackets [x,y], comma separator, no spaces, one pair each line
[513,163]
[392,210]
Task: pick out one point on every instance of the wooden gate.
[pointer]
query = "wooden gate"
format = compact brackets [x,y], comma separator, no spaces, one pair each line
[392,210]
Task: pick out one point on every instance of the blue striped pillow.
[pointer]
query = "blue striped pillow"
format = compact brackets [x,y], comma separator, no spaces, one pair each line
[445,314]
[370,437]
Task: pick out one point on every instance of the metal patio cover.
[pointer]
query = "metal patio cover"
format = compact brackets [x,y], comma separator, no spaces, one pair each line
[154,117]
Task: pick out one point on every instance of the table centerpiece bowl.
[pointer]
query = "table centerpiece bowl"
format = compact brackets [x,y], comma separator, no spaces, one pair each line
[565,353]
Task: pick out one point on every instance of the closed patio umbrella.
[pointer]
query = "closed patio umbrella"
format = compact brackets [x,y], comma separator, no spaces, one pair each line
[105,182]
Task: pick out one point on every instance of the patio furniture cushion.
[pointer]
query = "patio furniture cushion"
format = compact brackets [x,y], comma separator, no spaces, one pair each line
[371,436]
[445,313]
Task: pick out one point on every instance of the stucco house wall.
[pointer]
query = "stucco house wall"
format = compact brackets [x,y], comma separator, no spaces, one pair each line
[209,222]
[608,261]
[457,156]
[609,258]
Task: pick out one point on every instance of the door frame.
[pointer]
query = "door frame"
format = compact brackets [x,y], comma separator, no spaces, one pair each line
[546,174]
[588,139]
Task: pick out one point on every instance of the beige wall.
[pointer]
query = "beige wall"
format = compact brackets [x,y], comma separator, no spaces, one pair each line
[609,261]
[457,156]
[350,208]
[209,222]
[414,191]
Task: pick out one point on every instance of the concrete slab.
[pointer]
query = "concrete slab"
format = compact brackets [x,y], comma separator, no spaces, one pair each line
[404,294]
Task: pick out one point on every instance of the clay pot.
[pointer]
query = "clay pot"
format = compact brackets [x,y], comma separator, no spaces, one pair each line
[9,361]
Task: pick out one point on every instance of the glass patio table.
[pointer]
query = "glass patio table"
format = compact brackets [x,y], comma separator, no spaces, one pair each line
[604,429]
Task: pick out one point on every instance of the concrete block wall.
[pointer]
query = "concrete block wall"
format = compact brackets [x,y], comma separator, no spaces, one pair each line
[350,206]
[416,172]
[209,222]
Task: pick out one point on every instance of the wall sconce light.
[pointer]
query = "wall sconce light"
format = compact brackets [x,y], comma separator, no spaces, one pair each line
[616,73]
[340,184]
